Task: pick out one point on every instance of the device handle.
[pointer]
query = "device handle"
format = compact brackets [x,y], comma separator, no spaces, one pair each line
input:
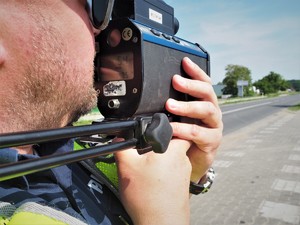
[159,133]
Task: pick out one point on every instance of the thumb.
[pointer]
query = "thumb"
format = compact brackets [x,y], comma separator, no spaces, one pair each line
[124,155]
[128,156]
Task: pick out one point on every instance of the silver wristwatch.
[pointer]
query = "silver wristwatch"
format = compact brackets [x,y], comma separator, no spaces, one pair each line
[204,184]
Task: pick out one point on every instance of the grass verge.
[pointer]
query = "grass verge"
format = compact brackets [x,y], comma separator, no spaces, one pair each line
[295,107]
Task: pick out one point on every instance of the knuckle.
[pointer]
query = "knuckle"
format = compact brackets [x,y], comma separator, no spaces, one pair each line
[209,90]
[219,137]
[219,120]
[216,142]
[211,109]
[208,78]
[195,131]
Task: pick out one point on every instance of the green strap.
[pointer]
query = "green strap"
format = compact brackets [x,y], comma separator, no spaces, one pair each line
[108,169]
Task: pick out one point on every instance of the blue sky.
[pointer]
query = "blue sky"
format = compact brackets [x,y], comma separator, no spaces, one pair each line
[263,35]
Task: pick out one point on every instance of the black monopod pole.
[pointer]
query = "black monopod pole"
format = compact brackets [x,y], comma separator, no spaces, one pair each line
[21,168]
[143,133]
[12,170]
[34,137]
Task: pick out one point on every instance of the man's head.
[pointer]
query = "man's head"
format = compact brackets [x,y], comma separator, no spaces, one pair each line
[46,63]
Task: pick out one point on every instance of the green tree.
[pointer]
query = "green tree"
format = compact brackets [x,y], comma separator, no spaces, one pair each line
[294,84]
[271,83]
[233,74]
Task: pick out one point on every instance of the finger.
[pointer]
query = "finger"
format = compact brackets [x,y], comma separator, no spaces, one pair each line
[131,155]
[179,145]
[207,112]
[128,156]
[195,88]
[205,138]
[194,71]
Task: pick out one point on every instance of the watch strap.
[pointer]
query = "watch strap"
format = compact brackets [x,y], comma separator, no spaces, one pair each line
[203,186]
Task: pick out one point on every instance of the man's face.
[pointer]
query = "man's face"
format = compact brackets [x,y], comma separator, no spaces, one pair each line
[47,74]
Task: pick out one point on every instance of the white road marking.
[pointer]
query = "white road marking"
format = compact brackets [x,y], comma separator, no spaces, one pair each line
[234,154]
[281,211]
[294,157]
[286,185]
[243,108]
[297,148]
[222,163]
[291,169]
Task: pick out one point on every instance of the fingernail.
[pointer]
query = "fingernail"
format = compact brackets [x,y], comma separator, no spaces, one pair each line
[189,61]
[181,80]
[172,104]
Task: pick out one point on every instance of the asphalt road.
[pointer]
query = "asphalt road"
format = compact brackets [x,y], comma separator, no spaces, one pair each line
[239,115]
[257,167]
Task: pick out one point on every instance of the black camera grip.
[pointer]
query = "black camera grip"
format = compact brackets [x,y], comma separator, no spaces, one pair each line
[159,133]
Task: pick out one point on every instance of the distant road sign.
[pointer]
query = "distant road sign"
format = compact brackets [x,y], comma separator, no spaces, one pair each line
[242,83]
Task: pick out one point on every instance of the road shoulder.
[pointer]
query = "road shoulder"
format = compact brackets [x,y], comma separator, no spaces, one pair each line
[258,175]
